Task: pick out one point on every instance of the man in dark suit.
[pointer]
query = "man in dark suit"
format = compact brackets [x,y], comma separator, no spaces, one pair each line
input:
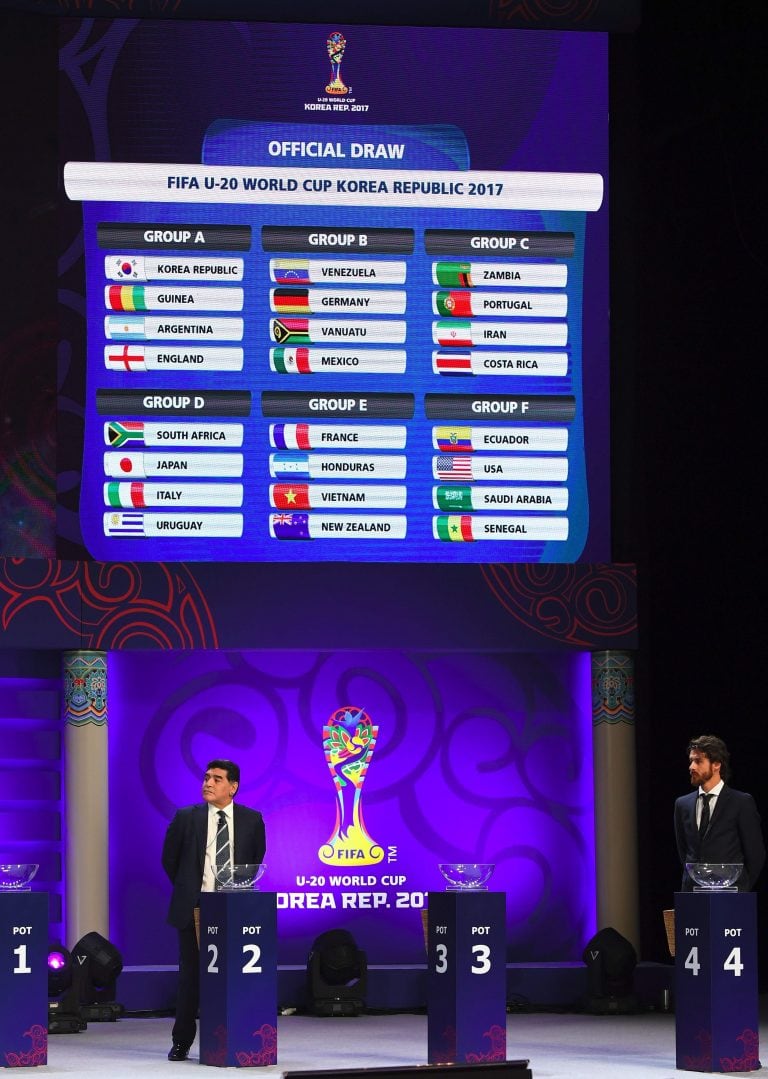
[200,839]
[716,823]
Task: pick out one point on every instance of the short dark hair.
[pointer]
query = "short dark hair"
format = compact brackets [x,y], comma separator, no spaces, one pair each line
[709,745]
[232,770]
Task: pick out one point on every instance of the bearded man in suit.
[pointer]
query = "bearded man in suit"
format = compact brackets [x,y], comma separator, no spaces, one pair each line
[201,839]
[716,823]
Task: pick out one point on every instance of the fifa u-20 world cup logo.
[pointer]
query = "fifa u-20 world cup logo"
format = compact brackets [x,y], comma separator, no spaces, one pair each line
[348,741]
[336,43]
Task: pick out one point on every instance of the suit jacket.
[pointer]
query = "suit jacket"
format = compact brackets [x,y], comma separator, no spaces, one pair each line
[184,854]
[734,835]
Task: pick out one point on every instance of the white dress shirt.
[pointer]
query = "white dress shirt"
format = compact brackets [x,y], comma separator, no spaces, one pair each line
[712,801]
[209,869]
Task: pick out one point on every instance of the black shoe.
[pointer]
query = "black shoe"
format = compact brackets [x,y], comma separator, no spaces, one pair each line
[178,1052]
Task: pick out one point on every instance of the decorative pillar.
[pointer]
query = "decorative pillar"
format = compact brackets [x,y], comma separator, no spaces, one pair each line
[613,750]
[86,902]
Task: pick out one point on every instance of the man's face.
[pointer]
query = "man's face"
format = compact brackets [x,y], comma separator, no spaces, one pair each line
[217,789]
[703,772]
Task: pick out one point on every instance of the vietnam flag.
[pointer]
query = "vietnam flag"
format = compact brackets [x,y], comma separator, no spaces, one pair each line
[287,496]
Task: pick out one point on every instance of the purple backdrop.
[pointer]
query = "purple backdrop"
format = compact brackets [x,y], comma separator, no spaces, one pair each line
[477,757]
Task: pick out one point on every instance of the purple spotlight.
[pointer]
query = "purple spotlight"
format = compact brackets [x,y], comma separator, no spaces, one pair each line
[56,960]
[59,969]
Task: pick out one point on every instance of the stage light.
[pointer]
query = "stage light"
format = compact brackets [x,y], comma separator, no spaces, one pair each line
[97,964]
[337,975]
[59,970]
[611,960]
[64,1015]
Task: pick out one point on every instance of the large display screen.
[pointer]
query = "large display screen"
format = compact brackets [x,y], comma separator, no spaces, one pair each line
[345,292]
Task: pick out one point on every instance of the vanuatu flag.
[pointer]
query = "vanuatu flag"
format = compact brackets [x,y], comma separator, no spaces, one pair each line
[290,330]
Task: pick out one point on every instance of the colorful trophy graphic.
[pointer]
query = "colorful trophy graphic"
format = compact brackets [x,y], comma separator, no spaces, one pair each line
[336,43]
[348,741]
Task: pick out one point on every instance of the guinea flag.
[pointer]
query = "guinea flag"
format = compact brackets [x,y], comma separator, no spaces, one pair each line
[454,529]
[453,274]
[287,496]
[127,298]
[455,304]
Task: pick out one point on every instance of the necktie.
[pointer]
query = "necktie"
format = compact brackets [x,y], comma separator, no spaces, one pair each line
[222,845]
[704,821]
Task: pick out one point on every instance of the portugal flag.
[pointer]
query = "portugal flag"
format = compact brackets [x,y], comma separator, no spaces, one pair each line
[454,304]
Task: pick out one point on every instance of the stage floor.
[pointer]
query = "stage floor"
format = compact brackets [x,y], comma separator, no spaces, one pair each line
[558,1046]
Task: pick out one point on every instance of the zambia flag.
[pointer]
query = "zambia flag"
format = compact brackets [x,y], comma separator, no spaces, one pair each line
[453,274]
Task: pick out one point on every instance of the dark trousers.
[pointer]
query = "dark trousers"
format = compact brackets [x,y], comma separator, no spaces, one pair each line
[188,993]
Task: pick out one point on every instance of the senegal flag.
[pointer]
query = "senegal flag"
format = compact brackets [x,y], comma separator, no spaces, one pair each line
[454,529]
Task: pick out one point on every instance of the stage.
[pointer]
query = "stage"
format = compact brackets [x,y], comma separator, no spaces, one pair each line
[559,1046]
